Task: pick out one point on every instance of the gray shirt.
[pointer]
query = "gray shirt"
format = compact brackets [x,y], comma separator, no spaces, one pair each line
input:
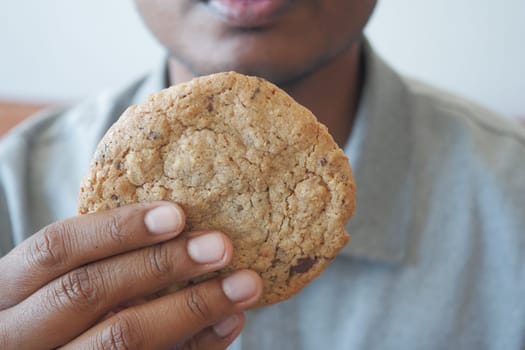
[437,254]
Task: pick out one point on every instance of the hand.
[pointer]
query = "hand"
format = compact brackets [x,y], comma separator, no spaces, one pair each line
[59,287]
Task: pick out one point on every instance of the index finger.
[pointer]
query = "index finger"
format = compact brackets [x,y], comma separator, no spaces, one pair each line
[65,245]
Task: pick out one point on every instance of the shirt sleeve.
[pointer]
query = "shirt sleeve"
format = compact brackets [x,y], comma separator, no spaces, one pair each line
[12,157]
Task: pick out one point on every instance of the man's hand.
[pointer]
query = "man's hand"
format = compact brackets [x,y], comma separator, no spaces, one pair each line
[59,287]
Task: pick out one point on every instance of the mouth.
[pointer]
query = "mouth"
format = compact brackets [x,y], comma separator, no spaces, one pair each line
[247,13]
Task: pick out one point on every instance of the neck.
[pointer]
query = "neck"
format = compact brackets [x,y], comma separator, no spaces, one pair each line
[331,92]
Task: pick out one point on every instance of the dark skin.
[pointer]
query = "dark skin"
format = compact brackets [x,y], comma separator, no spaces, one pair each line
[311,49]
[87,282]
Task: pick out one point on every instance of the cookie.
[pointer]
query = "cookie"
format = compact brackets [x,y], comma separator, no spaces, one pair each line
[240,156]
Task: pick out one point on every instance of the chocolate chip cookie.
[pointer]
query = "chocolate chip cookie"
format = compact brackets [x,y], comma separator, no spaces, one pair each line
[240,156]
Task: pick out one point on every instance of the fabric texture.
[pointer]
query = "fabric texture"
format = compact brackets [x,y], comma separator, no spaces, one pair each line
[436,258]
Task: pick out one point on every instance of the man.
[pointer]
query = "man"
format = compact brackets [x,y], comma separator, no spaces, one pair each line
[437,253]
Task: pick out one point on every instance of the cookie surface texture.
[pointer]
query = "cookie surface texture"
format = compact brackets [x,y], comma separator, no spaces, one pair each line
[240,156]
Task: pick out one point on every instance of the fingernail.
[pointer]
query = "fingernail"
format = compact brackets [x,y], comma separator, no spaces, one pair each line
[207,248]
[240,286]
[227,326]
[163,219]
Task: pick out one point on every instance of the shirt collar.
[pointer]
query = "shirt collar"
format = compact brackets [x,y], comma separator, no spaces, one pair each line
[154,82]
[379,152]
[112,104]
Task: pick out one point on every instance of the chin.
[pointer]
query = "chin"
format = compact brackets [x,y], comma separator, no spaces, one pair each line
[276,73]
[277,66]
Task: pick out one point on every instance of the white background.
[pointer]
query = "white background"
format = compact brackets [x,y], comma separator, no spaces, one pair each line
[63,50]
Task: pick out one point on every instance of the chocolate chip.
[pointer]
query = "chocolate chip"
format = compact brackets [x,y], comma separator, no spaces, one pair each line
[210,103]
[255,92]
[114,197]
[323,162]
[303,265]
[118,165]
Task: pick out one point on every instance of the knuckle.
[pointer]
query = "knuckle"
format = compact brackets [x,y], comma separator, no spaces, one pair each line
[197,305]
[113,227]
[50,248]
[123,334]
[78,289]
[159,261]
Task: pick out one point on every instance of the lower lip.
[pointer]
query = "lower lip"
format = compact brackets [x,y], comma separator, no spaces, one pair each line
[247,13]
